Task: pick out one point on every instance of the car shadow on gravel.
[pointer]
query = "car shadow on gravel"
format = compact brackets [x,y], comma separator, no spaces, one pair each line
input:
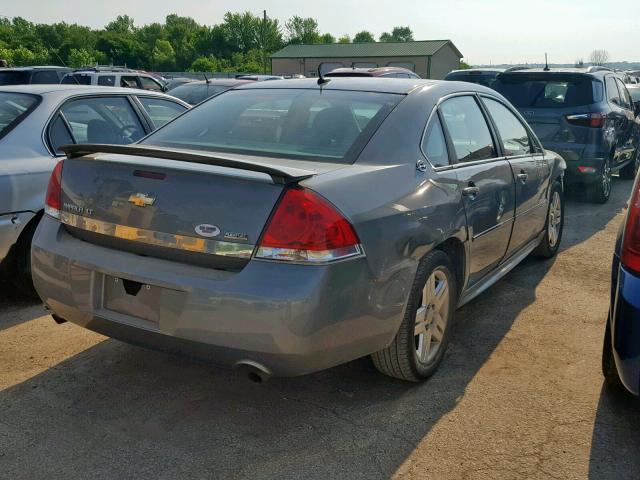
[615,444]
[17,308]
[117,411]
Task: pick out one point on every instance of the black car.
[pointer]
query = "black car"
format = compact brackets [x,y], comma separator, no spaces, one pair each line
[584,114]
[32,75]
[481,76]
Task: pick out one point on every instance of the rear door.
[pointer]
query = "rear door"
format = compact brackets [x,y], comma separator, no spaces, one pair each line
[486,181]
[529,169]
[627,141]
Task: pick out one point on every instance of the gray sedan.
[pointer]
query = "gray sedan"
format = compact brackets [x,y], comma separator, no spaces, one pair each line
[35,121]
[288,226]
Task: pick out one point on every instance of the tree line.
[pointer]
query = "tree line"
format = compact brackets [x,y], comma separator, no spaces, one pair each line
[240,43]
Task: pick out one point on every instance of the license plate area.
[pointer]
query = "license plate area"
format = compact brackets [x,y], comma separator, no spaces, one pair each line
[132,298]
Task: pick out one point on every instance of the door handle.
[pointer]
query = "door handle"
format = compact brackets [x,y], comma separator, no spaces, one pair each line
[522,176]
[470,191]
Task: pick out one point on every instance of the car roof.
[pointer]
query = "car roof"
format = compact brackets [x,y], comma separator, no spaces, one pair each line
[478,70]
[371,70]
[362,84]
[225,82]
[44,89]
[36,67]
[595,71]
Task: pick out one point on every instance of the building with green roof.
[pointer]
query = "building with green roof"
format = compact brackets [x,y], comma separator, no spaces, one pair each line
[428,58]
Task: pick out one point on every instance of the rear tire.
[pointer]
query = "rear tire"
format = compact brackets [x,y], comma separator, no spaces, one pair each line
[609,369]
[554,227]
[423,336]
[601,189]
[22,265]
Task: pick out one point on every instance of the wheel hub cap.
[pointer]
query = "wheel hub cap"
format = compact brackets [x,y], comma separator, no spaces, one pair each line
[432,317]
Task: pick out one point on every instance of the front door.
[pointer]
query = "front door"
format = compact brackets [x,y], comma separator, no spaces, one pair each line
[530,171]
[486,183]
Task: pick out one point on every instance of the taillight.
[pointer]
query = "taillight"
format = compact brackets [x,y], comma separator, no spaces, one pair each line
[307,228]
[53,200]
[593,120]
[630,252]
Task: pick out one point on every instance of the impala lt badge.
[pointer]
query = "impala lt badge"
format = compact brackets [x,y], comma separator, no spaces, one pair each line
[141,199]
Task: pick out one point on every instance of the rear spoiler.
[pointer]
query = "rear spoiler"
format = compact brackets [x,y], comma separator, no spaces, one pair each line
[279,174]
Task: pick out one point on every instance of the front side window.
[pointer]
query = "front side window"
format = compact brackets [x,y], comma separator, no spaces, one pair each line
[514,135]
[13,77]
[468,129]
[161,111]
[612,91]
[328,125]
[150,84]
[434,145]
[102,120]
[625,98]
[14,107]
[128,82]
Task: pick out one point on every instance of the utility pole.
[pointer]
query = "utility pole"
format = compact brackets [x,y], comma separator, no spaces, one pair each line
[264,46]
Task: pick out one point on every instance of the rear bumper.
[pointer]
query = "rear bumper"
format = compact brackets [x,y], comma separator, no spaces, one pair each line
[580,155]
[293,319]
[625,323]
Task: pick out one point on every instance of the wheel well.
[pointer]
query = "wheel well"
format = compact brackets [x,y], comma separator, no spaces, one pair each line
[455,251]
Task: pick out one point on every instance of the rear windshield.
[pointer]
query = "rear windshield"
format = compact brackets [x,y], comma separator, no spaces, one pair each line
[76,79]
[548,90]
[14,78]
[14,107]
[193,94]
[486,79]
[324,125]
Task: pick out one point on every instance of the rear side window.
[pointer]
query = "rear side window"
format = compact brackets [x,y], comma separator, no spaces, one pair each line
[59,134]
[328,125]
[107,80]
[45,76]
[13,78]
[14,107]
[546,90]
[468,129]
[514,135]
[434,145]
[102,120]
[161,111]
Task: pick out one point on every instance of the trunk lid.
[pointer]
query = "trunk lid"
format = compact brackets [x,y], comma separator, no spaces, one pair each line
[195,209]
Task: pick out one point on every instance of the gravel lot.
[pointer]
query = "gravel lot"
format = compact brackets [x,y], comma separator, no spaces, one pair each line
[519,395]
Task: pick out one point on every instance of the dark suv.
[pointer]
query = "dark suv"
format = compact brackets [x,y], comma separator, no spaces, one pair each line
[584,114]
[31,75]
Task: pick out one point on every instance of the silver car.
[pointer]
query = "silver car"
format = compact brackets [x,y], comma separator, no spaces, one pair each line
[35,121]
[288,226]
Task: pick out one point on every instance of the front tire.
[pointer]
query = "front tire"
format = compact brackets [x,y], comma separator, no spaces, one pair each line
[554,227]
[419,346]
[601,188]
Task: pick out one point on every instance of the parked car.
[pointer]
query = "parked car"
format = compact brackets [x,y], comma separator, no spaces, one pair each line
[481,76]
[586,115]
[285,227]
[196,92]
[386,72]
[634,91]
[172,83]
[35,122]
[114,77]
[621,352]
[32,75]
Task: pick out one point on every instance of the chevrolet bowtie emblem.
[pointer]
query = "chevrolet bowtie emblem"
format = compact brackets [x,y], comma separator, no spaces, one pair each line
[141,199]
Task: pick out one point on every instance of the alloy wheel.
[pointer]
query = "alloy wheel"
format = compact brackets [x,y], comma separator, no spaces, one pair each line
[555,219]
[432,317]
[606,179]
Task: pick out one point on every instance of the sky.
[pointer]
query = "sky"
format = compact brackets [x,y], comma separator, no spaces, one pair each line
[485,31]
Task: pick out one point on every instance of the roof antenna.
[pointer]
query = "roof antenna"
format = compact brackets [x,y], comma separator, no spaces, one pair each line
[206,79]
[321,79]
[546,63]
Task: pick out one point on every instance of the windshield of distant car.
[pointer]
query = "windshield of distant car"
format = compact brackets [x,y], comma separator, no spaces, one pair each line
[193,94]
[325,125]
[14,78]
[553,90]
[14,107]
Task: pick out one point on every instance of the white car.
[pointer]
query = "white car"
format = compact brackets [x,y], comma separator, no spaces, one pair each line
[114,77]
[35,121]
